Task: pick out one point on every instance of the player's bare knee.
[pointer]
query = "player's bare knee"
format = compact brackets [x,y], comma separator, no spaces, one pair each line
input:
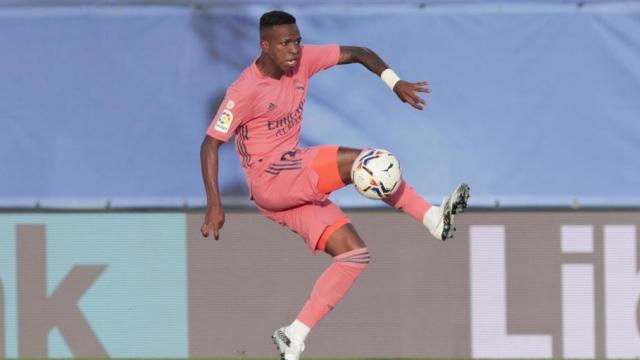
[353,239]
[344,240]
[346,157]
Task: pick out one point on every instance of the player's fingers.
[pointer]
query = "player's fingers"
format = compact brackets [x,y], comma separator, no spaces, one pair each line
[216,234]
[406,98]
[204,230]
[423,89]
[415,99]
[417,102]
[420,100]
[413,102]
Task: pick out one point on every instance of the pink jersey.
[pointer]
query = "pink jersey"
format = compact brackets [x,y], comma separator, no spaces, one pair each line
[265,114]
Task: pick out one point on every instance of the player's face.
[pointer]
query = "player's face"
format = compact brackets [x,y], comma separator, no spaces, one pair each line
[281,44]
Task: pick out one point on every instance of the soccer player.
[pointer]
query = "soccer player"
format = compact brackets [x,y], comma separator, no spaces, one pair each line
[290,185]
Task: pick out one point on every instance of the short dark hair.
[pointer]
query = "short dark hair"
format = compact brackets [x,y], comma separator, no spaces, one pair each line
[275,17]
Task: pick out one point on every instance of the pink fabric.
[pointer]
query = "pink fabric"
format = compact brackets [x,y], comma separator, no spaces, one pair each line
[308,220]
[409,201]
[287,193]
[333,285]
[265,114]
[287,181]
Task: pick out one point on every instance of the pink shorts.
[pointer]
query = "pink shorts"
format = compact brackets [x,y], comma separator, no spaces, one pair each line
[294,189]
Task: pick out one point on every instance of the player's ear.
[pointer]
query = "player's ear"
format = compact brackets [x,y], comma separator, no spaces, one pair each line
[264,45]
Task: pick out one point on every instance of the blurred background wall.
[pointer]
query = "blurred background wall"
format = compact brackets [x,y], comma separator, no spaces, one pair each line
[511,284]
[534,103]
[104,104]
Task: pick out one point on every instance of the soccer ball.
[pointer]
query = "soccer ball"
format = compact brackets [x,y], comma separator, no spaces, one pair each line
[376,174]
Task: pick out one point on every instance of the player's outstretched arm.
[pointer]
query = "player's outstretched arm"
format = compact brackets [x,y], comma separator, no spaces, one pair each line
[214,217]
[406,91]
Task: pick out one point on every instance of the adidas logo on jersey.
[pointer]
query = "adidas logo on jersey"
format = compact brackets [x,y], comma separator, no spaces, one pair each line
[271,107]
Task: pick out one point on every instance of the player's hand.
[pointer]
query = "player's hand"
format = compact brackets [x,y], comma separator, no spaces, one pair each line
[408,92]
[213,222]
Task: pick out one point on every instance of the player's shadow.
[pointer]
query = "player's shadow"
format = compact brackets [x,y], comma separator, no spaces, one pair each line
[231,43]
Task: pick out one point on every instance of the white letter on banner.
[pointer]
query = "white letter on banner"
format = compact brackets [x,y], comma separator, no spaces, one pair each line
[578,307]
[578,299]
[622,290]
[489,338]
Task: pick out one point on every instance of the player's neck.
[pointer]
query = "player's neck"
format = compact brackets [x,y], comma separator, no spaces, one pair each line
[268,69]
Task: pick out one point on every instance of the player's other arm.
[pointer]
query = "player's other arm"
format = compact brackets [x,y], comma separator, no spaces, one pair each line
[214,218]
[406,91]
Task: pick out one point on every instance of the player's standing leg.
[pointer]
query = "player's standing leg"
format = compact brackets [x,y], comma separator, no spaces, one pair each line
[350,259]
[325,228]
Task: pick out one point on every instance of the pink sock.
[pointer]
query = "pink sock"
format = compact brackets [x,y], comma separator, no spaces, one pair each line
[409,201]
[333,284]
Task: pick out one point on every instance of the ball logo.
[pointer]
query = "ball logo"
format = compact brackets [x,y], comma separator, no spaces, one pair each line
[376,174]
[224,121]
[230,104]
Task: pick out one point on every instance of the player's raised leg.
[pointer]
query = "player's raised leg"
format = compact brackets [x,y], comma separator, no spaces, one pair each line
[350,259]
[439,220]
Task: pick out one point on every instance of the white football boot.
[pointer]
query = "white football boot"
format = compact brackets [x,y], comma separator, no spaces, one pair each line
[290,348]
[440,220]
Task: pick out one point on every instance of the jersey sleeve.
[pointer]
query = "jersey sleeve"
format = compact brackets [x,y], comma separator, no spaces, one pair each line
[319,57]
[234,110]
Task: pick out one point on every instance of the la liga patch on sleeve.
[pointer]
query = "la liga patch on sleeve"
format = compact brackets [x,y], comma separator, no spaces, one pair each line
[224,121]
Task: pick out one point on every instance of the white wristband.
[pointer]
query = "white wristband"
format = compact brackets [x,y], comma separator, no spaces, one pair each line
[390,78]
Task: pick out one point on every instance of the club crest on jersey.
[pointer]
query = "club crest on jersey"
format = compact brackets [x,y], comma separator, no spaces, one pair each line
[224,121]
[299,85]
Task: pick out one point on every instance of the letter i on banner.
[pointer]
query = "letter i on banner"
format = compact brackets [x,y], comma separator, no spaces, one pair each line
[578,298]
